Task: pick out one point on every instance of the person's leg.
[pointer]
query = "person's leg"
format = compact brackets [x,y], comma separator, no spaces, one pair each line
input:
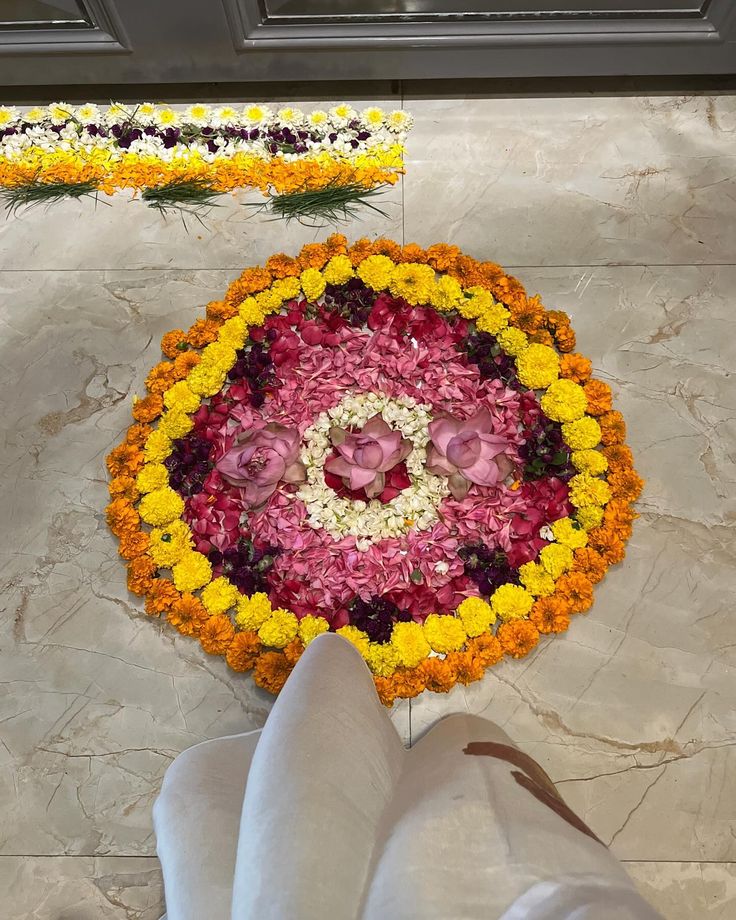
[197,818]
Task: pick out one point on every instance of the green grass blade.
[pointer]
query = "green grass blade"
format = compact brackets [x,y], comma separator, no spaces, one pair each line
[37,192]
[333,204]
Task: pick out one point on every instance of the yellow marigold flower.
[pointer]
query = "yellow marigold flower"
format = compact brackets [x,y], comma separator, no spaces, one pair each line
[589,461]
[313,284]
[181,397]
[493,319]
[152,476]
[310,627]
[512,340]
[158,447]
[175,423]
[476,615]
[356,637]
[537,366]
[511,602]
[219,595]
[564,401]
[556,559]
[218,355]
[338,270]
[444,633]
[253,611]
[410,643]
[477,300]
[382,658]
[191,572]
[446,294]
[233,332]
[161,506]
[569,533]
[170,543]
[413,282]
[206,381]
[376,272]
[279,629]
[269,300]
[582,434]
[585,490]
[251,313]
[536,580]
[590,517]
[286,288]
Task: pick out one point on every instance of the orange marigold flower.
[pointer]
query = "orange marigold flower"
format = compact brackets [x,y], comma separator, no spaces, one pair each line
[550,614]
[283,266]
[313,255]
[490,272]
[625,484]
[335,245]
[202,332]
[576,367]
[467,668]
[140,574]
[124,460]
[216,635]
[541,337]
[188,615]
[408,682]
[219,311]
[360,250]
[293,651]
[438,675]
[599,397]
[160,597]
[253,280]
[466,271]
[590,562]
[133,543]
[271,671]
[509,290]
[386,690]
[518,637]
[124,487]
[122,517]
[184,363]
[137,435]
[442,256]
[412,252]
[619,456]
[149,408]
[385,247]
[527,314]
[613,428]
[486,648]
[557,319]
[577,589]
[161,377]
[618,512]
[565,338]
[174,342]
[608,542]
[244,650]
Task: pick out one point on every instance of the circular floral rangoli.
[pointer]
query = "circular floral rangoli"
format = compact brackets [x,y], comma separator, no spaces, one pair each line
[392,443]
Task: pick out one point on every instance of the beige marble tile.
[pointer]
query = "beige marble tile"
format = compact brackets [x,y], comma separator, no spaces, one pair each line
[81,888]
[97,698]
[683,891]
[575,180]
[632,709]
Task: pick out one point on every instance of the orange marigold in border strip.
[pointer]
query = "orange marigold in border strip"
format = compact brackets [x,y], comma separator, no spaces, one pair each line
[590,562]
[271,671]
[219,311]
[442,256]
[202,332]
[619,456]
[313,255]
[577,590]
[282,266]
[487,649]
[613,428]
[188,615]
[140,574]
[550,614]
[216,635]
[122,517]
[438,675]
[172,342]
[161,596]
[133,543]
[124,460]
[599,397]
[243,651]
[149,408]
[518,637]
[161,378]
[608,543]
[625,484]
[124,487]
[576,367]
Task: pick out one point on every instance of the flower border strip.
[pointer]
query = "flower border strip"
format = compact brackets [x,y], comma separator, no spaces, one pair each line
[447,648]
[154,146]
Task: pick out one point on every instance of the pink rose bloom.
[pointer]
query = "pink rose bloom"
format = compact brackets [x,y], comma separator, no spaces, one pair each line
[366,456]
[260,460]
[467,452]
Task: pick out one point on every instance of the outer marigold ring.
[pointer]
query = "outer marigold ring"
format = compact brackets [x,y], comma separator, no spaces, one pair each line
[542,483]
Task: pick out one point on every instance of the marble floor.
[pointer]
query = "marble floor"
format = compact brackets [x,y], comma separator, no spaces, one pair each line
[620,210]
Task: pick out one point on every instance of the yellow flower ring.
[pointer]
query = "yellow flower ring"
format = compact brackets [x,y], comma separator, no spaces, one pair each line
[579,437]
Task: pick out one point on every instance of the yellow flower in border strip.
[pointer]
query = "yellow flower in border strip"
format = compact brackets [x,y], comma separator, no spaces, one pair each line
[536,579]
[338,270]
[556,559]
[446,294]
[587,490]
[410,643]
[192,571]
[279,629]
[170,543]
[383,659]
[313,283]
[152,476]
[181,397]
[310,627]
[513,341]
[219,595]
[476,615]
[251,313]
[158,447]
[412,281]
[569,533]
[356,637]
[444,633]
[376,272]
[538,366]
[233,332]
[253,611]
[287,288]
[175,423]
[590,517]
[589,461]
[493,319]
[477,300]
[564,401]
[511,602]
[582,434]
[161,506]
